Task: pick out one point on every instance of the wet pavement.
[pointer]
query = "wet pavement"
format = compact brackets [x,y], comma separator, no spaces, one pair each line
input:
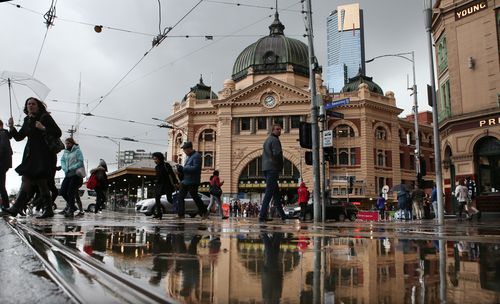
[119,257]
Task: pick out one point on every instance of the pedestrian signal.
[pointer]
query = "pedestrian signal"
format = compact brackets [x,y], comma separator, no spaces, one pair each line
[305,136]
[309,158]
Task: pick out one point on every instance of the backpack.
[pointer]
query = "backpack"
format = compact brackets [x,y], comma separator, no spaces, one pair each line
[92,181]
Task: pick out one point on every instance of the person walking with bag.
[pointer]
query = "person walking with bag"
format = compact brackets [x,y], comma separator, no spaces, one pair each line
[71,161]
[5,163]
[39,157]
[101,184]
[216,193]
[303,195]
[191,176]
[462,195]
[165,183]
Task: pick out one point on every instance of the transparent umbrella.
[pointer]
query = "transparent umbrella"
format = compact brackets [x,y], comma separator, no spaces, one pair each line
[24,79]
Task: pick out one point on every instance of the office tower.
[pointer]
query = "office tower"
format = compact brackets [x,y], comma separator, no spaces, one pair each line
[345,46]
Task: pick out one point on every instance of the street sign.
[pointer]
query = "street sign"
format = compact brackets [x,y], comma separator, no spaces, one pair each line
[328,138]
[335,114]
[337,103]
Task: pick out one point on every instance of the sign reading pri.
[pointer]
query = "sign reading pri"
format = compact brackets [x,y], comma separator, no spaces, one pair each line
[471,8]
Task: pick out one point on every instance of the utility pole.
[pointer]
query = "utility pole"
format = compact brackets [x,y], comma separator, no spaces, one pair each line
[435,122]
[314,114]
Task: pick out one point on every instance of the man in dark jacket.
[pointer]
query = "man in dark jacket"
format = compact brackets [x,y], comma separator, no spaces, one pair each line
[38,160]
[5,163]
[272,165]
[191,181]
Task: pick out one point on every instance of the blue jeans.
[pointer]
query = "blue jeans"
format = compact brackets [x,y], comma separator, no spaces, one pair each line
[272,191]
[69,188]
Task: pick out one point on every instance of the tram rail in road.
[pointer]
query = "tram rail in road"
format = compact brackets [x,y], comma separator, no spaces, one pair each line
[81,277]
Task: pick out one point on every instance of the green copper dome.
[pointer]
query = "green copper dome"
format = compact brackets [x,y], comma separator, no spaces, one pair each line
[201,91]
[272,54]
[353,84]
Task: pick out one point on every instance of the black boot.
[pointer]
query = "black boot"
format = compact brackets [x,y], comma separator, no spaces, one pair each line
[47,212]
[158,214]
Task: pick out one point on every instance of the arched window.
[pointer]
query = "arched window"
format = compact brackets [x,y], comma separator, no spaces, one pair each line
[343,131]
[343,156]
[487,159]
[208,160]
[412,137]
[178,140]
[207,136]
[380,133]
[402,137]
[381,159]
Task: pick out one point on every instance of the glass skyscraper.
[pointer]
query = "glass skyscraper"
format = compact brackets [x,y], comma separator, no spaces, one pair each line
[345,46]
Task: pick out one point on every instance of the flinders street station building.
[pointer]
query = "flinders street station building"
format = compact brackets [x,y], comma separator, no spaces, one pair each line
[270,84]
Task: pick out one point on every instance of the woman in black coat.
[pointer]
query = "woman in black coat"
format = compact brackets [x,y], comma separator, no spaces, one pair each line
[38,161]
[164,183]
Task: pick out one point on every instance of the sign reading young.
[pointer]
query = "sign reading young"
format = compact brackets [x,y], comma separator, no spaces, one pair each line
[470,9]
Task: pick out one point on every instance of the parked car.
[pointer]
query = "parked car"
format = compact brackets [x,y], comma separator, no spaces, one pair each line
[146,206]
[334,210]
[87,197]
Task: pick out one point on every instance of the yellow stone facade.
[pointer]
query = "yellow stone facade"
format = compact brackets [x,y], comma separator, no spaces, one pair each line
[466,37]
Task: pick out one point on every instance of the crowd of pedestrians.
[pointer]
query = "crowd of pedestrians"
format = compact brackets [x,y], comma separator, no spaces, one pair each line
[39,165]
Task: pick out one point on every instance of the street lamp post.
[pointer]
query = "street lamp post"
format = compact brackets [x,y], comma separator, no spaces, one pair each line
[435,122]
[415,106]
[116,141]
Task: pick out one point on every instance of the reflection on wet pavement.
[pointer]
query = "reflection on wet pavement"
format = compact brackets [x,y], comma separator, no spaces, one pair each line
[194,262]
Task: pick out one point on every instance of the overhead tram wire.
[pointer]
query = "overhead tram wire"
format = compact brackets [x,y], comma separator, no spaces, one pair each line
[248,5]
[88,114]
[122,138]
[49,17]
[137,63]
[206,46]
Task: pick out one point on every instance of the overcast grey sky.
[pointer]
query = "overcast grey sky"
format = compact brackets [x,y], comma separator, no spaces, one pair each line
[168,71]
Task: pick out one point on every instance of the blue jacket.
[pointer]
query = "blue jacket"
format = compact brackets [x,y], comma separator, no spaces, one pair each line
[72,160]
[192,169]
[404,200]
[434,195]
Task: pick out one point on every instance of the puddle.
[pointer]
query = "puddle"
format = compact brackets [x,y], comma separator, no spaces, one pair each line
[200,264]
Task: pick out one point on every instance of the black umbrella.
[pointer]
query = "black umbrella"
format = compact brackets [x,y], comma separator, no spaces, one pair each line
[400,187]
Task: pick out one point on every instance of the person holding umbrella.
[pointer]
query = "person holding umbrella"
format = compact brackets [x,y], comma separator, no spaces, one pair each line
[38,159]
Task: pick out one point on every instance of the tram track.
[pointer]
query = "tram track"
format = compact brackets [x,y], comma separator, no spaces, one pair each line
[82,278]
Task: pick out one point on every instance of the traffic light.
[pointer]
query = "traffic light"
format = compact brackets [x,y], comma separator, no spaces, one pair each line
[328,154]
[309,158]
[423,166]
[305,136]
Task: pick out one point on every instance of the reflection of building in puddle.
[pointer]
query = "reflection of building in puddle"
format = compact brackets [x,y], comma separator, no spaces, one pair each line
[222,268]
[474,272]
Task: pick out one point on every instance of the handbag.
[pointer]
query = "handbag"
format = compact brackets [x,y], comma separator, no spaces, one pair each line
[81,172]
[54,143]
[215,190]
